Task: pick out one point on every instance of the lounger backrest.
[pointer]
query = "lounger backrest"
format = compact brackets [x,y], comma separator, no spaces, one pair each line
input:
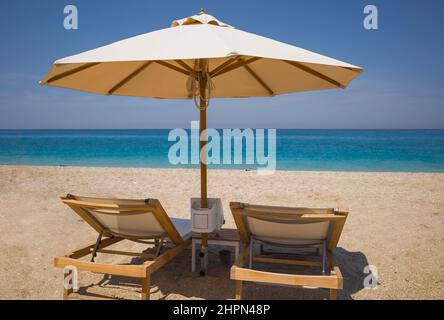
[131,219]
[287,232]
[289,226]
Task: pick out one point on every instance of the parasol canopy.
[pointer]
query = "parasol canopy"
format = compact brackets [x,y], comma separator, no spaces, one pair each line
[159,64]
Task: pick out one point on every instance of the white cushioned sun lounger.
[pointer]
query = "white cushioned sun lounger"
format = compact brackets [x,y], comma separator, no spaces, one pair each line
[144,221]
[290,228]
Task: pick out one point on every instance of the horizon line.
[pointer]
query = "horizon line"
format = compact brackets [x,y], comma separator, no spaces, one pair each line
[127,129]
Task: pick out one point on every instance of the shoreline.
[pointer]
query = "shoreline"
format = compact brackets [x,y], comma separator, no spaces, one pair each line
[219,169]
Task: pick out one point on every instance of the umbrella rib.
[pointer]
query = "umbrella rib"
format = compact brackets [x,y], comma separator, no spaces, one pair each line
[236,65]
[315,73]
[173,67]
[258,79]
[129,77]
[185,65]
[72,71]
[221,66]
[352,69]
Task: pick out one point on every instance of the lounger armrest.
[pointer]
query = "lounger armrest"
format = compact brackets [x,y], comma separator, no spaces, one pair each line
[235,205]
[341,211]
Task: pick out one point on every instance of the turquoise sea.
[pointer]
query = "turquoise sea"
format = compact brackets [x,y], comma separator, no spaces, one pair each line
[337,150]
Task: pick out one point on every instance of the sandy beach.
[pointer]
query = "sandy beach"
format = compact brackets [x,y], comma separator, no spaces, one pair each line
[396,223]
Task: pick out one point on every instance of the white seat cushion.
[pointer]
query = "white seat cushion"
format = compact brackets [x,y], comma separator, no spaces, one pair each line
[183,226]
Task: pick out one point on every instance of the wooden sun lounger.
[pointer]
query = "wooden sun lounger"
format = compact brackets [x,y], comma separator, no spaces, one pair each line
[291,228]
[143,221]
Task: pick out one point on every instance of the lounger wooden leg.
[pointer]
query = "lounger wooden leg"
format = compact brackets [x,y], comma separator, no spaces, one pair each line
[238,290]
[333,294]
[146,283]
[66,292]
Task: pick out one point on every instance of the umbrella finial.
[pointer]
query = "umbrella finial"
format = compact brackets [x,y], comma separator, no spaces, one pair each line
[201,18]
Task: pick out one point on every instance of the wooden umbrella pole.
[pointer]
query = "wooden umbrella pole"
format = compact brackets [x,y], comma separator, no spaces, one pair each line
[203,166]
[203,135]
[203,126]
[202,156]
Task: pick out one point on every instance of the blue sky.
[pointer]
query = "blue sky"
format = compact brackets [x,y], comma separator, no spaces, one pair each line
[402,86]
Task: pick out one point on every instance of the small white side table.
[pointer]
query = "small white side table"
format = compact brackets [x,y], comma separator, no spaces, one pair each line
[223,237]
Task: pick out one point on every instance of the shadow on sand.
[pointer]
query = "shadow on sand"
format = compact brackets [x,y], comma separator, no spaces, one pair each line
[176,281]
